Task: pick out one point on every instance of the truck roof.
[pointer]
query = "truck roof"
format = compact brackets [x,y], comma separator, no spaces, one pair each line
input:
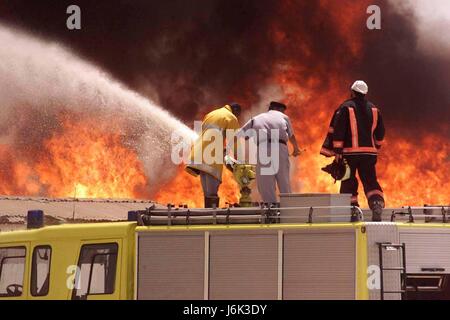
[68,231]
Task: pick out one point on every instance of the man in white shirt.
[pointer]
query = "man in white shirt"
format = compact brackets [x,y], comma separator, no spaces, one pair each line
[271,131]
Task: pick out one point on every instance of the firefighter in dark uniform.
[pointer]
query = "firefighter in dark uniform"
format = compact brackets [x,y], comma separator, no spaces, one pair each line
[356,134]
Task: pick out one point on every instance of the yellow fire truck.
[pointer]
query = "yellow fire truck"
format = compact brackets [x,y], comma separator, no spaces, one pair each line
[232,253]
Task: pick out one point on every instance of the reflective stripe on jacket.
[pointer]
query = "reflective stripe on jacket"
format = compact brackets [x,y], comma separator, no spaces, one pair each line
[356,128]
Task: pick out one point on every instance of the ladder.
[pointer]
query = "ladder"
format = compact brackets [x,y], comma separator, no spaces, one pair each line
[387,246]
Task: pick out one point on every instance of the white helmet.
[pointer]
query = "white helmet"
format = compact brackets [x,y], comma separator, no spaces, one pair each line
[360,86]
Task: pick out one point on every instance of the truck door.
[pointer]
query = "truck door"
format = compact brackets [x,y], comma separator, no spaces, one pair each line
[40,271]
[98,270]
[14,265]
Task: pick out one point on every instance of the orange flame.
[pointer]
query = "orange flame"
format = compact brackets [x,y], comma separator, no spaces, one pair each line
[17,177]
[90,163]
[416,173]
[82,161]
[186,189]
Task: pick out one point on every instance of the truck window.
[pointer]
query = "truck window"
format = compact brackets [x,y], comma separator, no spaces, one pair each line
[97,270]
[427,287]
[12,268]
[40,271]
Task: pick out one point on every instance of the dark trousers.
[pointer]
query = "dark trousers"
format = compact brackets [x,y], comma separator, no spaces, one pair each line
[365,165]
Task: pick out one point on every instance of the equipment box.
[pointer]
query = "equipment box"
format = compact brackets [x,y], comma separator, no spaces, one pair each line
[307,200]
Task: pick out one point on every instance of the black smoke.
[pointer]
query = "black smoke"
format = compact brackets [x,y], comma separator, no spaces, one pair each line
[191,54]
[411,85]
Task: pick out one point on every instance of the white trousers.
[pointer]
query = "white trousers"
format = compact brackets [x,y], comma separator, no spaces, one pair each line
[267,182]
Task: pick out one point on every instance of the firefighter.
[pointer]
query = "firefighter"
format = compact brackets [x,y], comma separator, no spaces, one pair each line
[215,124]
[356,134]
[263,124]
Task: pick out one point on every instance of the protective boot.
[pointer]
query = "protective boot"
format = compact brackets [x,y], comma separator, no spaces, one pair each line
[377,210]
[212,202]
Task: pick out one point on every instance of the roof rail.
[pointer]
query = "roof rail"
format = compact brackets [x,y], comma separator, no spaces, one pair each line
[444,210]
[265,214]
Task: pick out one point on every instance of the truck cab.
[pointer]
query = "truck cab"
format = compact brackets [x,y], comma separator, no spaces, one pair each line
[73,261]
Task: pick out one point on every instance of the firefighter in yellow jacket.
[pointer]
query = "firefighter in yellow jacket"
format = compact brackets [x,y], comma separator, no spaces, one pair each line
[207,154]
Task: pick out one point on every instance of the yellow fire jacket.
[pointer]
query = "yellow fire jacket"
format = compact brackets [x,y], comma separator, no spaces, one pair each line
[217,121]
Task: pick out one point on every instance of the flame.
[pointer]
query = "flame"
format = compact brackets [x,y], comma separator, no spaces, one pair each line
[416,173]
[186,189]
[17,176]
[90,163]
[80,160]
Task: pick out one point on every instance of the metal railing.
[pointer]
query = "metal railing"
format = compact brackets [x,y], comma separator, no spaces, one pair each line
[410,212]
[252,215]
[272,214]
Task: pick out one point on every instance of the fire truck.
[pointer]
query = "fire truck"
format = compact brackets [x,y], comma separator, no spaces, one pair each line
[289,252]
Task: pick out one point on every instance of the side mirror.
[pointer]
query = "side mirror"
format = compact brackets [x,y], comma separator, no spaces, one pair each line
[43,254]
